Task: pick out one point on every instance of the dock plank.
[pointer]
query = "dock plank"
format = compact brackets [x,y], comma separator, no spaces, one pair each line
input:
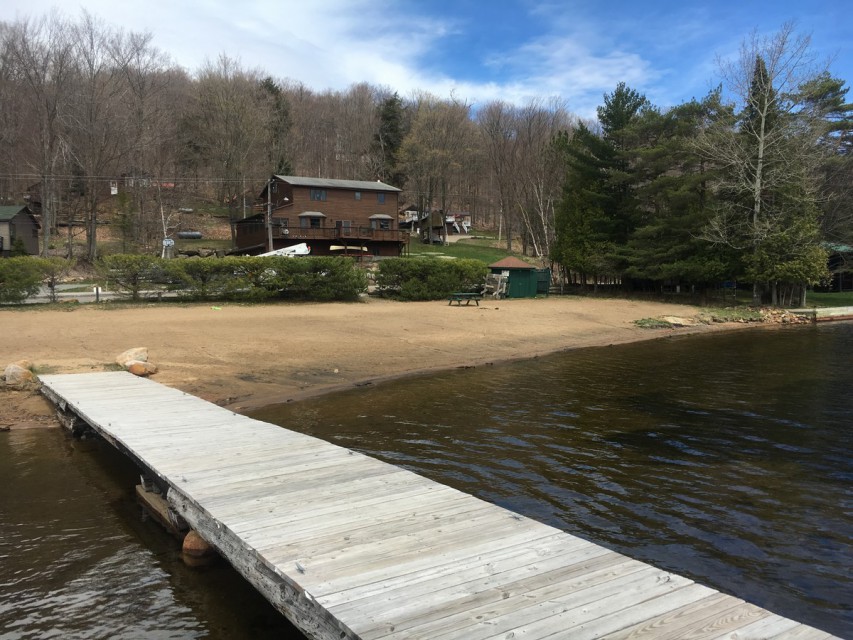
[347,546]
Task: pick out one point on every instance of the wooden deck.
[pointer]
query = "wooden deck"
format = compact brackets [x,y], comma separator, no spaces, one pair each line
[347,546]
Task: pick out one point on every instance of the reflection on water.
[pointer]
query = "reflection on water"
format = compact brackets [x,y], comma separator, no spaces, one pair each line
[77,560]
[725,458]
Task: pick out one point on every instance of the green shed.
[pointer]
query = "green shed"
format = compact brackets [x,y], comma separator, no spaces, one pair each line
[523,280]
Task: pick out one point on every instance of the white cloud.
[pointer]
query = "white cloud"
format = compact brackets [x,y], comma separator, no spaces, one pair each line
[573,50]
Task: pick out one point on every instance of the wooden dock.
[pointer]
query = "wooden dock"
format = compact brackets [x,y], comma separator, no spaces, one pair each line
[347,546]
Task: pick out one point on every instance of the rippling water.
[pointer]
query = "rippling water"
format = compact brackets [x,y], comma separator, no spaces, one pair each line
[78,560]
[725,458]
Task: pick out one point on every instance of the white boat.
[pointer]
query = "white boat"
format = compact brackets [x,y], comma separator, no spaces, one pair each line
[292,251]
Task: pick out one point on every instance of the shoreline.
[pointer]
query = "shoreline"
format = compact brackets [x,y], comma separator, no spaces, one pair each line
[246,357]
[260,402]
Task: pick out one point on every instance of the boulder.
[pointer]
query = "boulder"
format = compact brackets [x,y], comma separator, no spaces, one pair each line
[18,376]
[138,354]
[140,368]
[678,321]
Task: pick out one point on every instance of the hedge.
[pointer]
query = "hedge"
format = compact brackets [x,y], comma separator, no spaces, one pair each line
[429,278]
[237,278]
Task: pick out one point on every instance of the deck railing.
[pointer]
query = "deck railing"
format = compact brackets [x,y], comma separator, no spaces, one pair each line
[340,233]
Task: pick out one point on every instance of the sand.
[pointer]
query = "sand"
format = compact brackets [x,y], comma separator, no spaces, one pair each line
[247,356]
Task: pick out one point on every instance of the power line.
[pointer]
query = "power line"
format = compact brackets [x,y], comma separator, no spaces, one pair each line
[159,179]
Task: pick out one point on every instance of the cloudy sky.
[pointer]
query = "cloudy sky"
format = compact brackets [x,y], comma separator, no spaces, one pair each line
[475,50]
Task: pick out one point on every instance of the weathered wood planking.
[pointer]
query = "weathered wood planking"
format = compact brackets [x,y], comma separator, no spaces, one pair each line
[347,546]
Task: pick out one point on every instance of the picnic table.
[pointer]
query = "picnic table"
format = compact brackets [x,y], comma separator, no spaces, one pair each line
[467,298]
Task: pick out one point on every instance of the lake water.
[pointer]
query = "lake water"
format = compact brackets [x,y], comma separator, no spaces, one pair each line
[725,458]
[78,559]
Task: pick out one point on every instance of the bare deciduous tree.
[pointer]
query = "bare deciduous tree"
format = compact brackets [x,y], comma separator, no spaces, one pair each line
[439,152]
[42,53]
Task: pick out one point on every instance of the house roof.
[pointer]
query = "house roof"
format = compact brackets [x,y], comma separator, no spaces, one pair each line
[258,217]
[7,213]
[511,262]
[354,185]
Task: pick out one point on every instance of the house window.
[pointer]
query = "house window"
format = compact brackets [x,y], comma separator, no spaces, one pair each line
[318,195]
[311,223]
[358,195]
[380,198]
[380,223]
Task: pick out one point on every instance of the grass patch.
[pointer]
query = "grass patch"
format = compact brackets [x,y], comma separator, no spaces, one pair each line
[203,244]
[81,288]
[473,249]
[838,299]
[732,314]
[652,323]
[44,369]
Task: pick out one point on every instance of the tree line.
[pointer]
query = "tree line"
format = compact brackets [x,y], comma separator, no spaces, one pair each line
[751,182]
[746,182]
[87,106]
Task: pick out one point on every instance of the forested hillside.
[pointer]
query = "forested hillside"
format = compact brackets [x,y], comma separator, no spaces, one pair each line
[750,181]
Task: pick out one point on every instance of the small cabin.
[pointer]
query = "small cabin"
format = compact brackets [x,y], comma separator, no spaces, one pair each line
[18,226]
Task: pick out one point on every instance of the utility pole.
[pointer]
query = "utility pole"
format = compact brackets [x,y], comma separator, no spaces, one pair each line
[269,215]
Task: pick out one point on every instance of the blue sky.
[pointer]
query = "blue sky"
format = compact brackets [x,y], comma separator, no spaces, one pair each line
[472,49]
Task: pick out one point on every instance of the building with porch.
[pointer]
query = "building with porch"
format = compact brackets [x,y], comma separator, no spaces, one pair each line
[333,217]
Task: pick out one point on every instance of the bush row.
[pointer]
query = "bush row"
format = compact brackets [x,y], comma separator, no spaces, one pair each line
[236,278]
[251,278]
[428,278]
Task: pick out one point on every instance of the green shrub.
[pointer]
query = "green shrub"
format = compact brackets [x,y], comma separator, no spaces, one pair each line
[257,278]
[53,270]
[18,248]
[205,278]
[322,279]
[20,278]
[429,279]
[130,273]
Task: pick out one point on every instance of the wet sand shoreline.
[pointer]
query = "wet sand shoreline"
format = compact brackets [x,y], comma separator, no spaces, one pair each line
[245,357]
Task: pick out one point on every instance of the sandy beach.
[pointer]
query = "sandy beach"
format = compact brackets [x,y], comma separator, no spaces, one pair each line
[247,356]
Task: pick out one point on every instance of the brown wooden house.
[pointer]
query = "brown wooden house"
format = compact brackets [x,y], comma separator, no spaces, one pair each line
[333,217]
[18,226]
